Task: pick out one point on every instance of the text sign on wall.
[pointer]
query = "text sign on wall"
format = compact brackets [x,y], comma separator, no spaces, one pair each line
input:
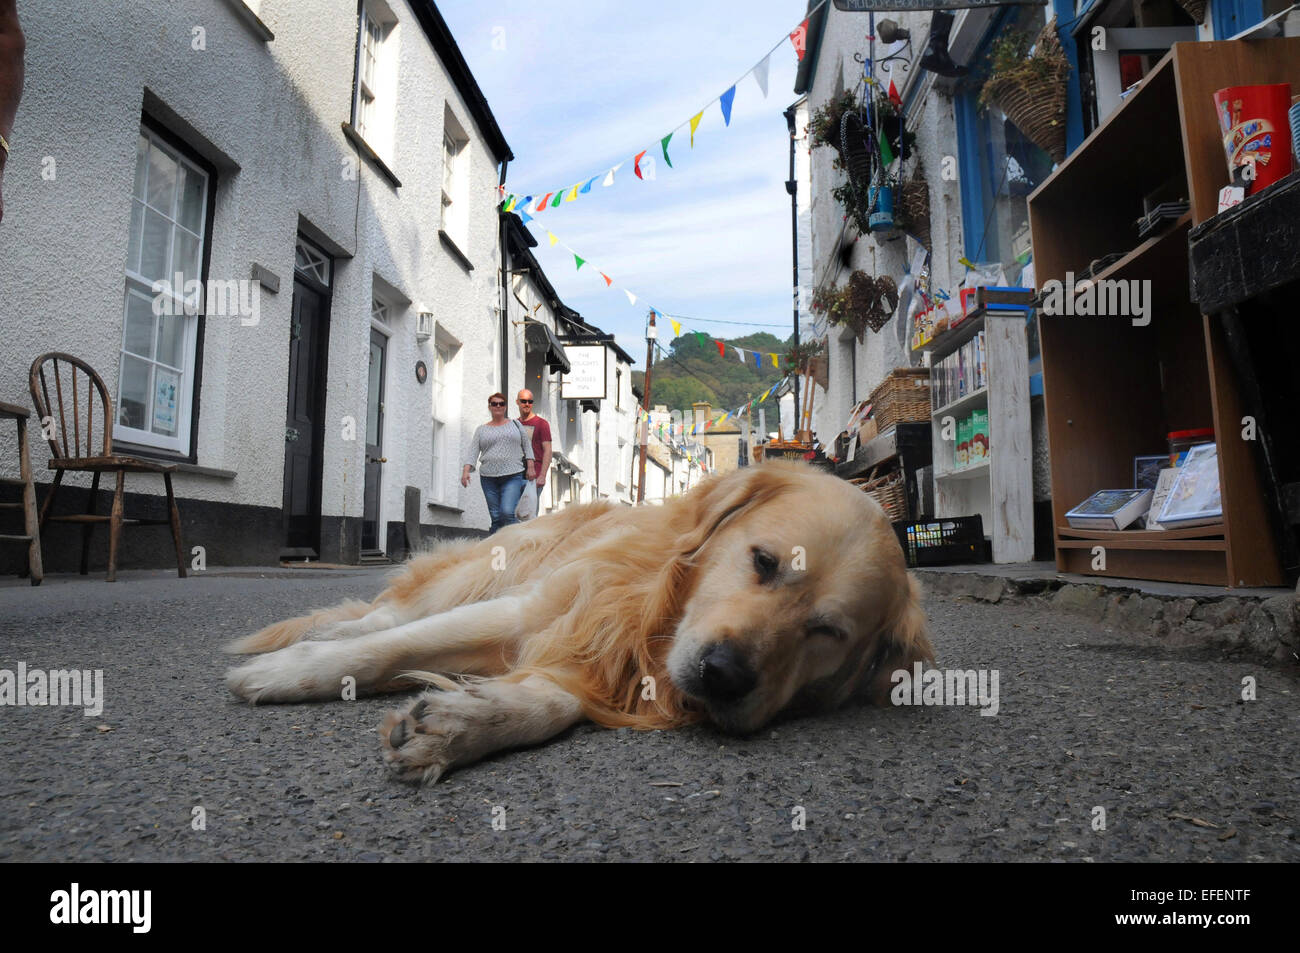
[586,377]
[902,6]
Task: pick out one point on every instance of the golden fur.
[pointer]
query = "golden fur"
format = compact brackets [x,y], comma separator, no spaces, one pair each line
[607,613]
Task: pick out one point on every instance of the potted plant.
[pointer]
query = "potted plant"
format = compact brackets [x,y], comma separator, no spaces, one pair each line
[860,303]
[1029,84]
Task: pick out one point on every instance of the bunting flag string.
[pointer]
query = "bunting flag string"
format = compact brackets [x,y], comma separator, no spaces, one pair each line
[743,354]
[674,437]
[518,201]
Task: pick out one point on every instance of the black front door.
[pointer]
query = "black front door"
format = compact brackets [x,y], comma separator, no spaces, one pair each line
[375,460]
[304,431]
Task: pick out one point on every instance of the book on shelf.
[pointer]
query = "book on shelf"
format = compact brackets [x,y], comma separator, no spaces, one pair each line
[1194,498]
[1110,509]
[1164,483]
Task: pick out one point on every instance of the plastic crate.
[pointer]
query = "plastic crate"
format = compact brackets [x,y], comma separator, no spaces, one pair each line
[953,539]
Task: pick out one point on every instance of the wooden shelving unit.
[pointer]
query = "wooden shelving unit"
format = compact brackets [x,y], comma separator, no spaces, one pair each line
[1113,390]
[999,489]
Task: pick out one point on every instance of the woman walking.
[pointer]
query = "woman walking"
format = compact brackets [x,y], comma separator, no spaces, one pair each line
[504,454]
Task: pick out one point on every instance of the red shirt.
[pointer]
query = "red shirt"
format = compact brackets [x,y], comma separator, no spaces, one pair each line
[541,431]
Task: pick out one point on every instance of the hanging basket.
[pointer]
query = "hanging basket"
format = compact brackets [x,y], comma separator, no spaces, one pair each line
[1195,9]
[1032,93]
[858,155]
[913,212]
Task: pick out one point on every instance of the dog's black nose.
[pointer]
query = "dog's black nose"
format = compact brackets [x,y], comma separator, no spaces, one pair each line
[725,673]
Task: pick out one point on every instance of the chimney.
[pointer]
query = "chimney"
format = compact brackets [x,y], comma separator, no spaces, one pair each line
[702,411]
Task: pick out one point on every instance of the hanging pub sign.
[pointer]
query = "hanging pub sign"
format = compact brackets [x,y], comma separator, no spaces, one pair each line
[902,6]
[586,377]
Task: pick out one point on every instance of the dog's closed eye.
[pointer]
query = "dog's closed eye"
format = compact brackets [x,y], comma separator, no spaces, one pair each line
[823,630]
[766,565]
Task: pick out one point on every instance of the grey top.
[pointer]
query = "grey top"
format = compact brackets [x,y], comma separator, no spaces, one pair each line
[502,449]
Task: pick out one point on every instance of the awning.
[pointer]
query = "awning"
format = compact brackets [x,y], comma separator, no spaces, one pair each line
[540,337]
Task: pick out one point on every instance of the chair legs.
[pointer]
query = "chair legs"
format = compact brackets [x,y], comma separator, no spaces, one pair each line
[88,528]
[115,526]
[31,522]
[176,526]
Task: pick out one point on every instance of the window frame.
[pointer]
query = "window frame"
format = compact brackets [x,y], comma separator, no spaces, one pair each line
[368,93]
[184,446]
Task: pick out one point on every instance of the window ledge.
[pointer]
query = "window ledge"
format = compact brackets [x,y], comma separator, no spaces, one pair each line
[251,20]
[181,464]
[364,148]
[444,507]
[456,253]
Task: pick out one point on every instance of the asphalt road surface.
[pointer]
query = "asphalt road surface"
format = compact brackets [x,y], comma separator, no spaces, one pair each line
[1087,719]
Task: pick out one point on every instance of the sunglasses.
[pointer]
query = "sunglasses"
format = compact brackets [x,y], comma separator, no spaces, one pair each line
[522,401]
[496,403]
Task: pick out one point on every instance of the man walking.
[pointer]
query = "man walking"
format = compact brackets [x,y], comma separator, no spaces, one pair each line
[541,433]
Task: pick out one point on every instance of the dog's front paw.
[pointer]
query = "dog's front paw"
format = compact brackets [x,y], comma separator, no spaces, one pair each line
[419,744]
[292,674]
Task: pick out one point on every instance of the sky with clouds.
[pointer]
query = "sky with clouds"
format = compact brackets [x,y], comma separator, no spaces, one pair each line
[578,87]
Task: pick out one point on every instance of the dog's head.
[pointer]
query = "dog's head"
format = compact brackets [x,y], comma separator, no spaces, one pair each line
[800,597]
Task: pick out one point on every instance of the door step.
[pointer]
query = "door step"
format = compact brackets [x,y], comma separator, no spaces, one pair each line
[374,559]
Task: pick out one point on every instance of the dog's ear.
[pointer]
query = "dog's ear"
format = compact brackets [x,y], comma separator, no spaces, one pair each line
[903,642]
[720,498]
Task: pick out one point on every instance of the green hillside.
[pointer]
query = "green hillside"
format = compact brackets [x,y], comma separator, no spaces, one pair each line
[695,371]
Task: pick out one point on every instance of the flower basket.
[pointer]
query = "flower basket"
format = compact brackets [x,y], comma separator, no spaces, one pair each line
[890,491]
[863,302]
[913,212]
[1031,89]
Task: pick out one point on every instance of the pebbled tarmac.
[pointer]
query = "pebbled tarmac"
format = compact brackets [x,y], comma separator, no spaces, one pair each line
[1088,718]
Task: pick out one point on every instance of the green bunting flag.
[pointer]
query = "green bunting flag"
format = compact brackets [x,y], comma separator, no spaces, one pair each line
[885,154]
[580,262]
[664,142]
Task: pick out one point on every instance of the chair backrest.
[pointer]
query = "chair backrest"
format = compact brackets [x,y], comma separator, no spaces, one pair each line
[55,373]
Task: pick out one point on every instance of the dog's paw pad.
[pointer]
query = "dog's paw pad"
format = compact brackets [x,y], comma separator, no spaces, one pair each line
[416,742]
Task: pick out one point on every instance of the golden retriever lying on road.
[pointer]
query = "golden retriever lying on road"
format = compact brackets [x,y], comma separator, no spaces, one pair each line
[774,588]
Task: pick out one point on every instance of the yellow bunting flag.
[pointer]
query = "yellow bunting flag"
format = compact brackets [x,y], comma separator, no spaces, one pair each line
[695,122]
[677,328]
[774,362]
[552,238]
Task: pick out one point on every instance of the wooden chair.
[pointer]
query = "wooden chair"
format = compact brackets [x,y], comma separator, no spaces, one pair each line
[77,455]
[30,523]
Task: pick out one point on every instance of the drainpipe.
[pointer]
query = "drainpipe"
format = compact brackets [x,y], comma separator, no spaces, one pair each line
[504,295]
[792,187]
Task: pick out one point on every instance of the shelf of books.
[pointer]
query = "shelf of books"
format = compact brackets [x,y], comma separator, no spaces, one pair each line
[979,387]
[1128,387]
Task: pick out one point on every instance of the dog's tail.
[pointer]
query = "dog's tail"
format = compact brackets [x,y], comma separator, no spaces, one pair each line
[289,631]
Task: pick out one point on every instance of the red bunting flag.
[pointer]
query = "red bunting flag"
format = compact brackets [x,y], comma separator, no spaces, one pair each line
[542,204]
[636,164]
[894,98]
[722,349]
[608,280]
[800,40]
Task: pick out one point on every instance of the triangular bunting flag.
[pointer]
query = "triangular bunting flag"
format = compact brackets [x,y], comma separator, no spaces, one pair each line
[542,204]
[587,188]
[525,217]
[608,281]
[572,194]
[725,102]
[695,124]
[800,40]
[760,73]
[636,164]
[885,155]
[894,98]
[664,142]
[559,197]
[701,337]
[722,348]
[580,262]
[758,359]
[774,362]
[631,298]
[740,354]
[677,328]
[552,239]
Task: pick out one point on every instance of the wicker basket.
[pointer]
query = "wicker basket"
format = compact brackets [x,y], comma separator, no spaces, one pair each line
[890,491]
[902,397]
[913,212]
[1034,103]
[1195,9]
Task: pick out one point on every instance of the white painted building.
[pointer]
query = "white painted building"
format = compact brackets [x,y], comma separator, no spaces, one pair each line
[340,152]
[592,438]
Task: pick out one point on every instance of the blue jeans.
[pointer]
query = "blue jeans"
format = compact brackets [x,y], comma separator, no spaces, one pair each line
[502,494]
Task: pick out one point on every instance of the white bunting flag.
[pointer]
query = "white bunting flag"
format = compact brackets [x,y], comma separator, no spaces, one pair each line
[630,297]
[609,178]
[760,74]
